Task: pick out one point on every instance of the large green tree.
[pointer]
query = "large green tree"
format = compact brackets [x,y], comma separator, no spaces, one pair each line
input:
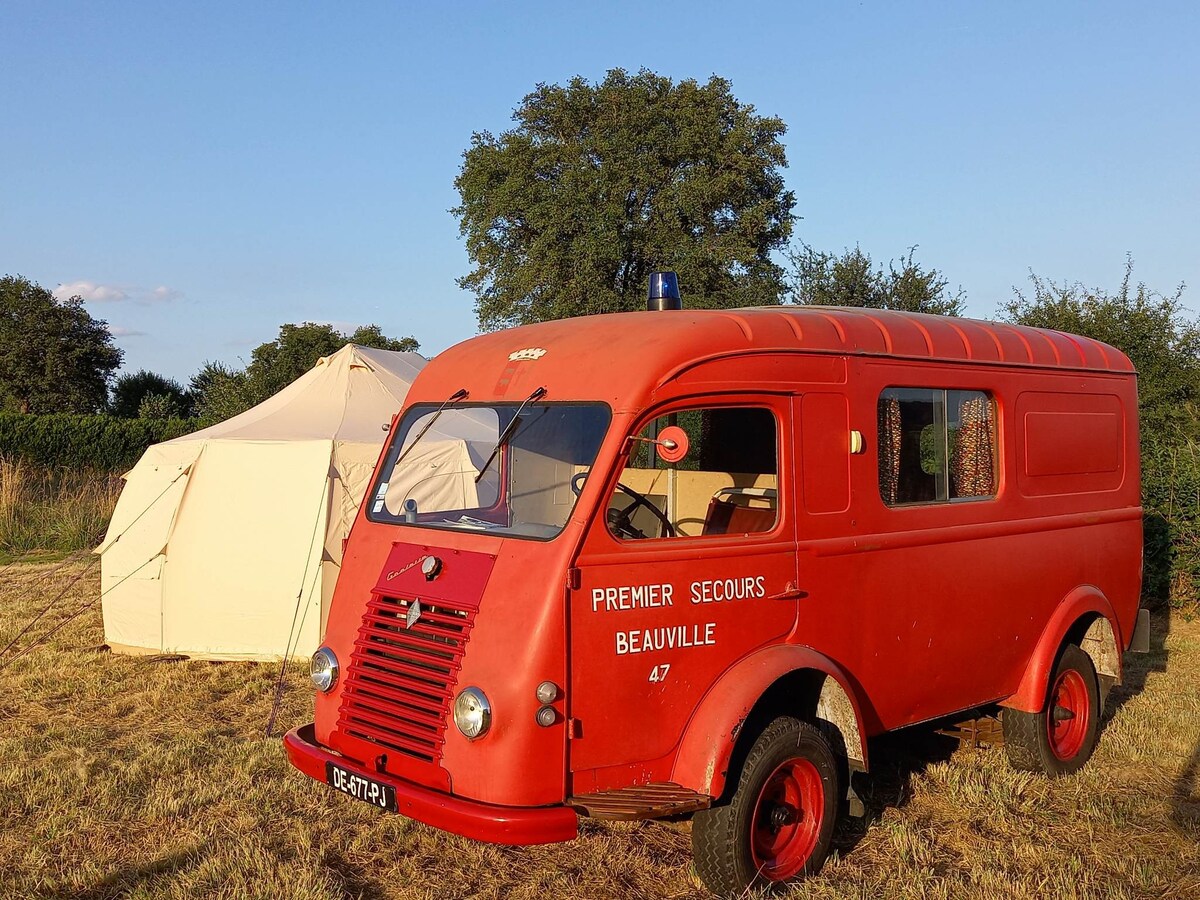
[222,392]
[852,279]
[54,357]
[600,184]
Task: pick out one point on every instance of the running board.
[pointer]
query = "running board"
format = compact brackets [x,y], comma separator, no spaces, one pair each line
[982,731]
[646,801]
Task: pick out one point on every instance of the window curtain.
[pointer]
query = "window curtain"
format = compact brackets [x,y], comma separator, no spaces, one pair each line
[889,448]
[973,464]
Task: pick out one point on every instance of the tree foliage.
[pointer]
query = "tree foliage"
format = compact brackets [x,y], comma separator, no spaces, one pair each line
[54,357]
[160,406]
[131,390]
[852,279]
[222,392]
[600,184]
[1151,328]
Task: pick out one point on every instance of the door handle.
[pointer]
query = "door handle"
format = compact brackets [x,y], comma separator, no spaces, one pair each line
[790,592]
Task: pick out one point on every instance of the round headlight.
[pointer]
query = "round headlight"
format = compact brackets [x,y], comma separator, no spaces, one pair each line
[323,669]
[547,692]
[472,713]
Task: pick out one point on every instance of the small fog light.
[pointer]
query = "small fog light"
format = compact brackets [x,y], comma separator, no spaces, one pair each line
[323,669]
[546,716]
[472,713]
[547,692]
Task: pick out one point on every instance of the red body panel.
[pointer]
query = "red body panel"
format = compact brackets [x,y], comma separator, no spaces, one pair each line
[916,611]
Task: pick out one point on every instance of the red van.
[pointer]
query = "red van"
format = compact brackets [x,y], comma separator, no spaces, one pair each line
[689,562]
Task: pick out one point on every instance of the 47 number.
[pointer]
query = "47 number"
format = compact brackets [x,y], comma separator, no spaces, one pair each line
[659,673]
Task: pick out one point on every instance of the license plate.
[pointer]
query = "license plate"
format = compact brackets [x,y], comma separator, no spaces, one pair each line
[360,787]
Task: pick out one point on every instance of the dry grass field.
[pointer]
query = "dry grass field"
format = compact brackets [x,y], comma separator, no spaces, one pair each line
[124,777]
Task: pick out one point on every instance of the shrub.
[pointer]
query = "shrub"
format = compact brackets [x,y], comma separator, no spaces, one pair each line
[101,443]
[1171,499]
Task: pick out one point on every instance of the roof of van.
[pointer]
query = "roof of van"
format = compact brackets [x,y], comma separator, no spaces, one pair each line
[637,350]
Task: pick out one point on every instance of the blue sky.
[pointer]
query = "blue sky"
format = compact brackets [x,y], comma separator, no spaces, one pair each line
[202,173]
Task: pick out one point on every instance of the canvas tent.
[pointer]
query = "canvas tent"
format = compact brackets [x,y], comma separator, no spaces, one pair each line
[226,543]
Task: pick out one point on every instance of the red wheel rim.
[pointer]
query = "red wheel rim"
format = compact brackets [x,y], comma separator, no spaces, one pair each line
[787,820]
[1068,715]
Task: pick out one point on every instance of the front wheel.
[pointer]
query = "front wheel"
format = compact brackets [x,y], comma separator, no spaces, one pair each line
[1061,738]
[779,822]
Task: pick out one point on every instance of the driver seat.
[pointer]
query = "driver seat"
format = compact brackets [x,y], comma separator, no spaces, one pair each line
[726,516]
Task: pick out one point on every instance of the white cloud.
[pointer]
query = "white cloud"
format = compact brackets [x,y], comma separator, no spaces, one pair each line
[92,292]
[164,294]
[118,331]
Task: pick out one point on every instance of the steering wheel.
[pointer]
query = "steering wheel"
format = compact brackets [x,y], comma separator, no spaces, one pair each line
[620,521]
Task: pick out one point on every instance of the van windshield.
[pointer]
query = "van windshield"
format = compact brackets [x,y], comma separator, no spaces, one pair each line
[442,478]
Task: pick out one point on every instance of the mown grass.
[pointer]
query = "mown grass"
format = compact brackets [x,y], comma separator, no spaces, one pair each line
[130,777]
[48,511]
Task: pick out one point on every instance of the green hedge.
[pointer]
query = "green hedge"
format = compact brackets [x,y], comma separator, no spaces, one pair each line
[1171,499]
[104,443]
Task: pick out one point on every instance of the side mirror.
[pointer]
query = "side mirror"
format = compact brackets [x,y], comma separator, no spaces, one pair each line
[672,444]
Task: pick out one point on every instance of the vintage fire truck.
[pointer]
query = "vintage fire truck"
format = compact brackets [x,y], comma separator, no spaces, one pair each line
[681,562]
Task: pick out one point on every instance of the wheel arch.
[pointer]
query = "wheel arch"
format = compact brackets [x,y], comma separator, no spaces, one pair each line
[780,680]
[1084,617]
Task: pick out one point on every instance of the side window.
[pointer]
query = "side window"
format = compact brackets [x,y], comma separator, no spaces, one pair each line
[936,445]
[726,484]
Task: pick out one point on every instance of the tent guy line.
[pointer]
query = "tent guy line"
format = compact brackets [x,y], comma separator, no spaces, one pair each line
[80,611]
[45,609]
[292,631]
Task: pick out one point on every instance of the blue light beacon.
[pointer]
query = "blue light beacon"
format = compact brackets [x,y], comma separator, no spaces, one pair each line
[664,292]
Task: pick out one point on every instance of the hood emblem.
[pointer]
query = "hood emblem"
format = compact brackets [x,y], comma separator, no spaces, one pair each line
[414,613]
[416,562]
[527,353]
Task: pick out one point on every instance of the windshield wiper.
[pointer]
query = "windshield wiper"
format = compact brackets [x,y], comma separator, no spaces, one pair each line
[460,394]
[509,430]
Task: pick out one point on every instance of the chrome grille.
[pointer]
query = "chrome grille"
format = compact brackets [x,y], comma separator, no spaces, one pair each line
[401,680]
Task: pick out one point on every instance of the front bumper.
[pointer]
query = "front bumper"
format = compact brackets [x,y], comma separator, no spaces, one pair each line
[479,821]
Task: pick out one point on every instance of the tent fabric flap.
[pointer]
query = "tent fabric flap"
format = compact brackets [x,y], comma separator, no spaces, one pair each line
[231,582]
[131,554]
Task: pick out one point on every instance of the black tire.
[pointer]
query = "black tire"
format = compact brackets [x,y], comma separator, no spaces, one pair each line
[1061,738]
[791,780]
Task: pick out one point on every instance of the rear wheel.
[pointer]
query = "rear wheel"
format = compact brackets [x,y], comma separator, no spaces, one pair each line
[779,822]
[1061,738]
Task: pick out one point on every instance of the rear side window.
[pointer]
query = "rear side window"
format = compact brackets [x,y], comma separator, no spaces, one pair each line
[936,445]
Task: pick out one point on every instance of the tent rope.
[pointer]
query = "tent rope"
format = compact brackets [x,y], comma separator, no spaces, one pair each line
[45,609]
[80,611]
[12,562]
[73,558]
[66,560]
[287,650]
